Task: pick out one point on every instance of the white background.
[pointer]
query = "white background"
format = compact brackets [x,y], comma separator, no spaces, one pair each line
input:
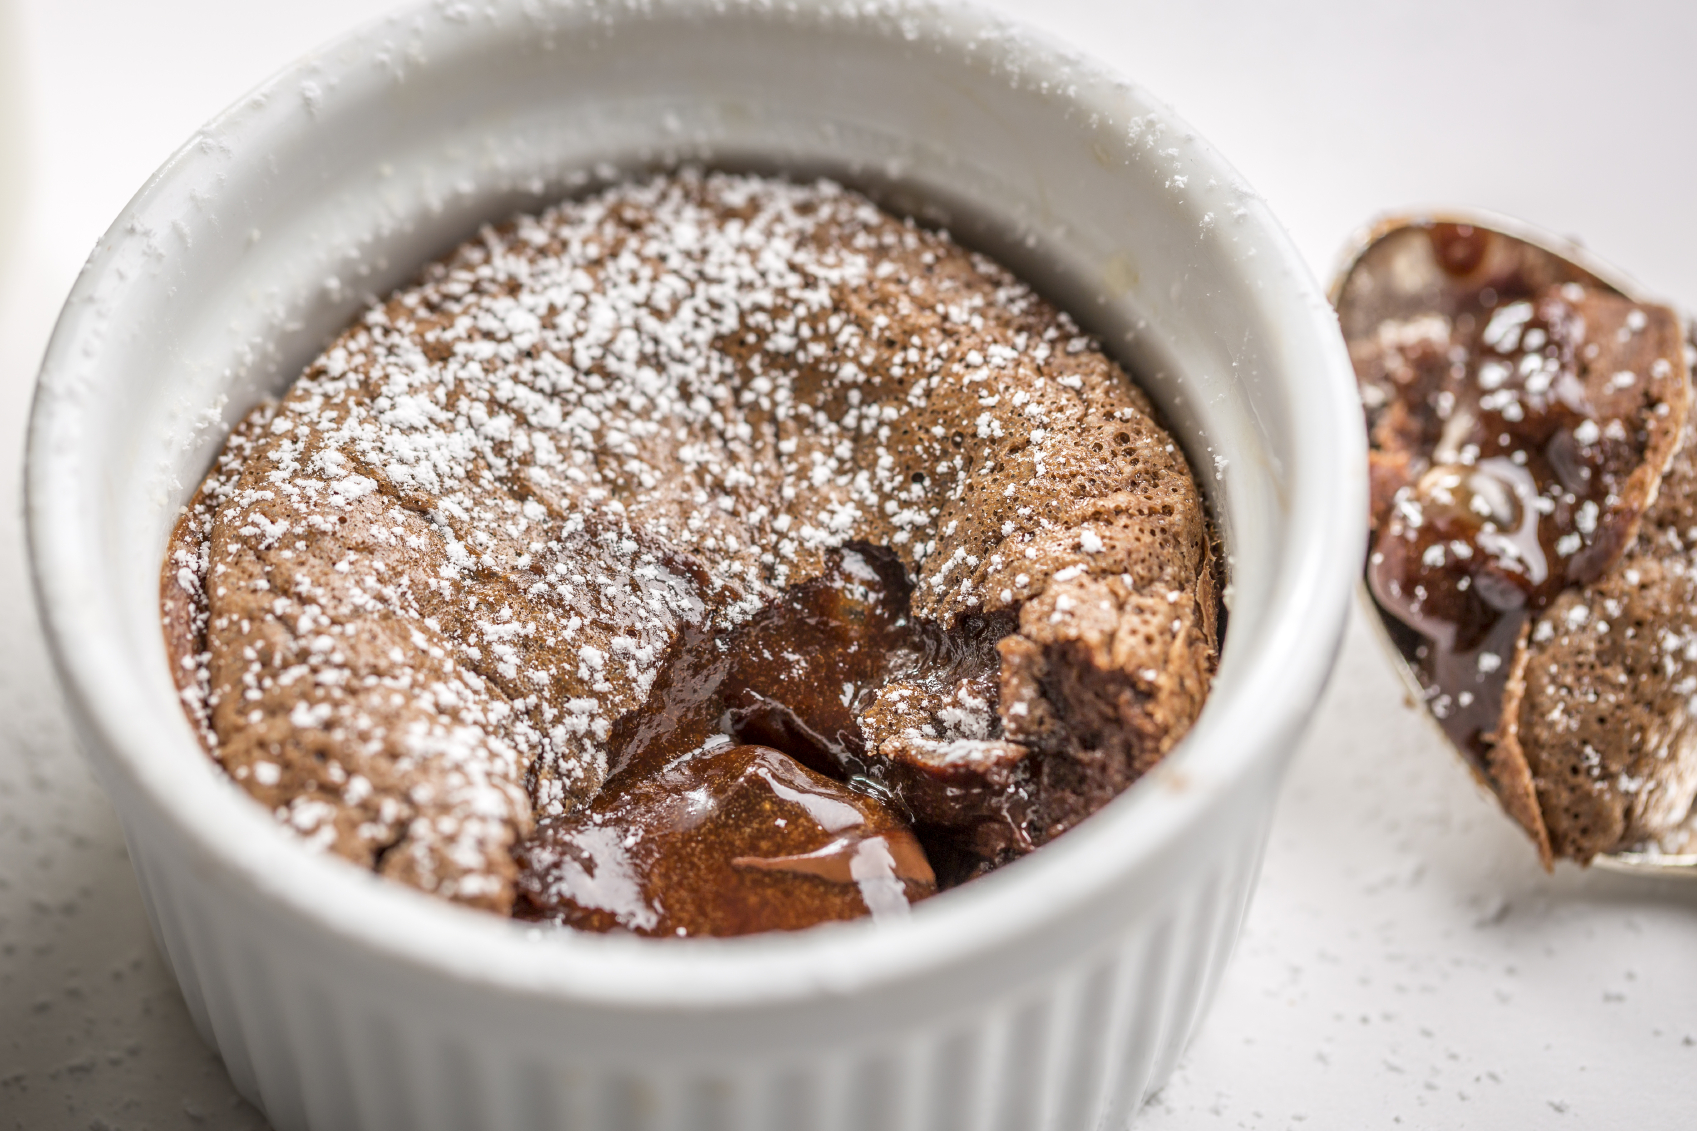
[1405,962]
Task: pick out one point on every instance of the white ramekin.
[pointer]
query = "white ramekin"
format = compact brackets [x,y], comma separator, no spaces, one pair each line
[1056,993]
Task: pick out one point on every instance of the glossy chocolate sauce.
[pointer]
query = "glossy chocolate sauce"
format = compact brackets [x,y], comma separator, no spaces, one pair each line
[744,798]
[726,840]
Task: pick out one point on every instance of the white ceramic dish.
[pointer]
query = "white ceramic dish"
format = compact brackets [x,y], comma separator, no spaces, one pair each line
[1056,993]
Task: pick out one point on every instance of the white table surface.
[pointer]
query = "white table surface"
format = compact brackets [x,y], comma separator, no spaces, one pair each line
[1405,962]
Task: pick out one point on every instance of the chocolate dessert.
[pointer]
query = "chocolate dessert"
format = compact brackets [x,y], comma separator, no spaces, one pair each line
[709,555]
[1530,482]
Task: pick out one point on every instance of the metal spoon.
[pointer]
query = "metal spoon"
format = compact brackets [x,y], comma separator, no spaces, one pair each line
[1392,271]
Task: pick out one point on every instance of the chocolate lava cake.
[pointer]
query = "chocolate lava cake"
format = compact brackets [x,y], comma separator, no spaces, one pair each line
[711,554]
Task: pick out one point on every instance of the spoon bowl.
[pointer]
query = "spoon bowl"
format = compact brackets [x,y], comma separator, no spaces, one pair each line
[1407,267]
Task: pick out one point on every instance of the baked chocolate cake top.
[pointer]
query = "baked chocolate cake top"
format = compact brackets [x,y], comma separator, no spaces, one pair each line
[424,601]
[1601,704]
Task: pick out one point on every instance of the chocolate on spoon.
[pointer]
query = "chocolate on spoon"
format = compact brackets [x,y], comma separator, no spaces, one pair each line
[1533,491]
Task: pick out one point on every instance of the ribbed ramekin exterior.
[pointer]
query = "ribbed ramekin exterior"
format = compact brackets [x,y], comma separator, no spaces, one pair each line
[1076,1048]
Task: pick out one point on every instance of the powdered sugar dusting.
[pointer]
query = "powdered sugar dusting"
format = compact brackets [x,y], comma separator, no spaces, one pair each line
[426,587]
